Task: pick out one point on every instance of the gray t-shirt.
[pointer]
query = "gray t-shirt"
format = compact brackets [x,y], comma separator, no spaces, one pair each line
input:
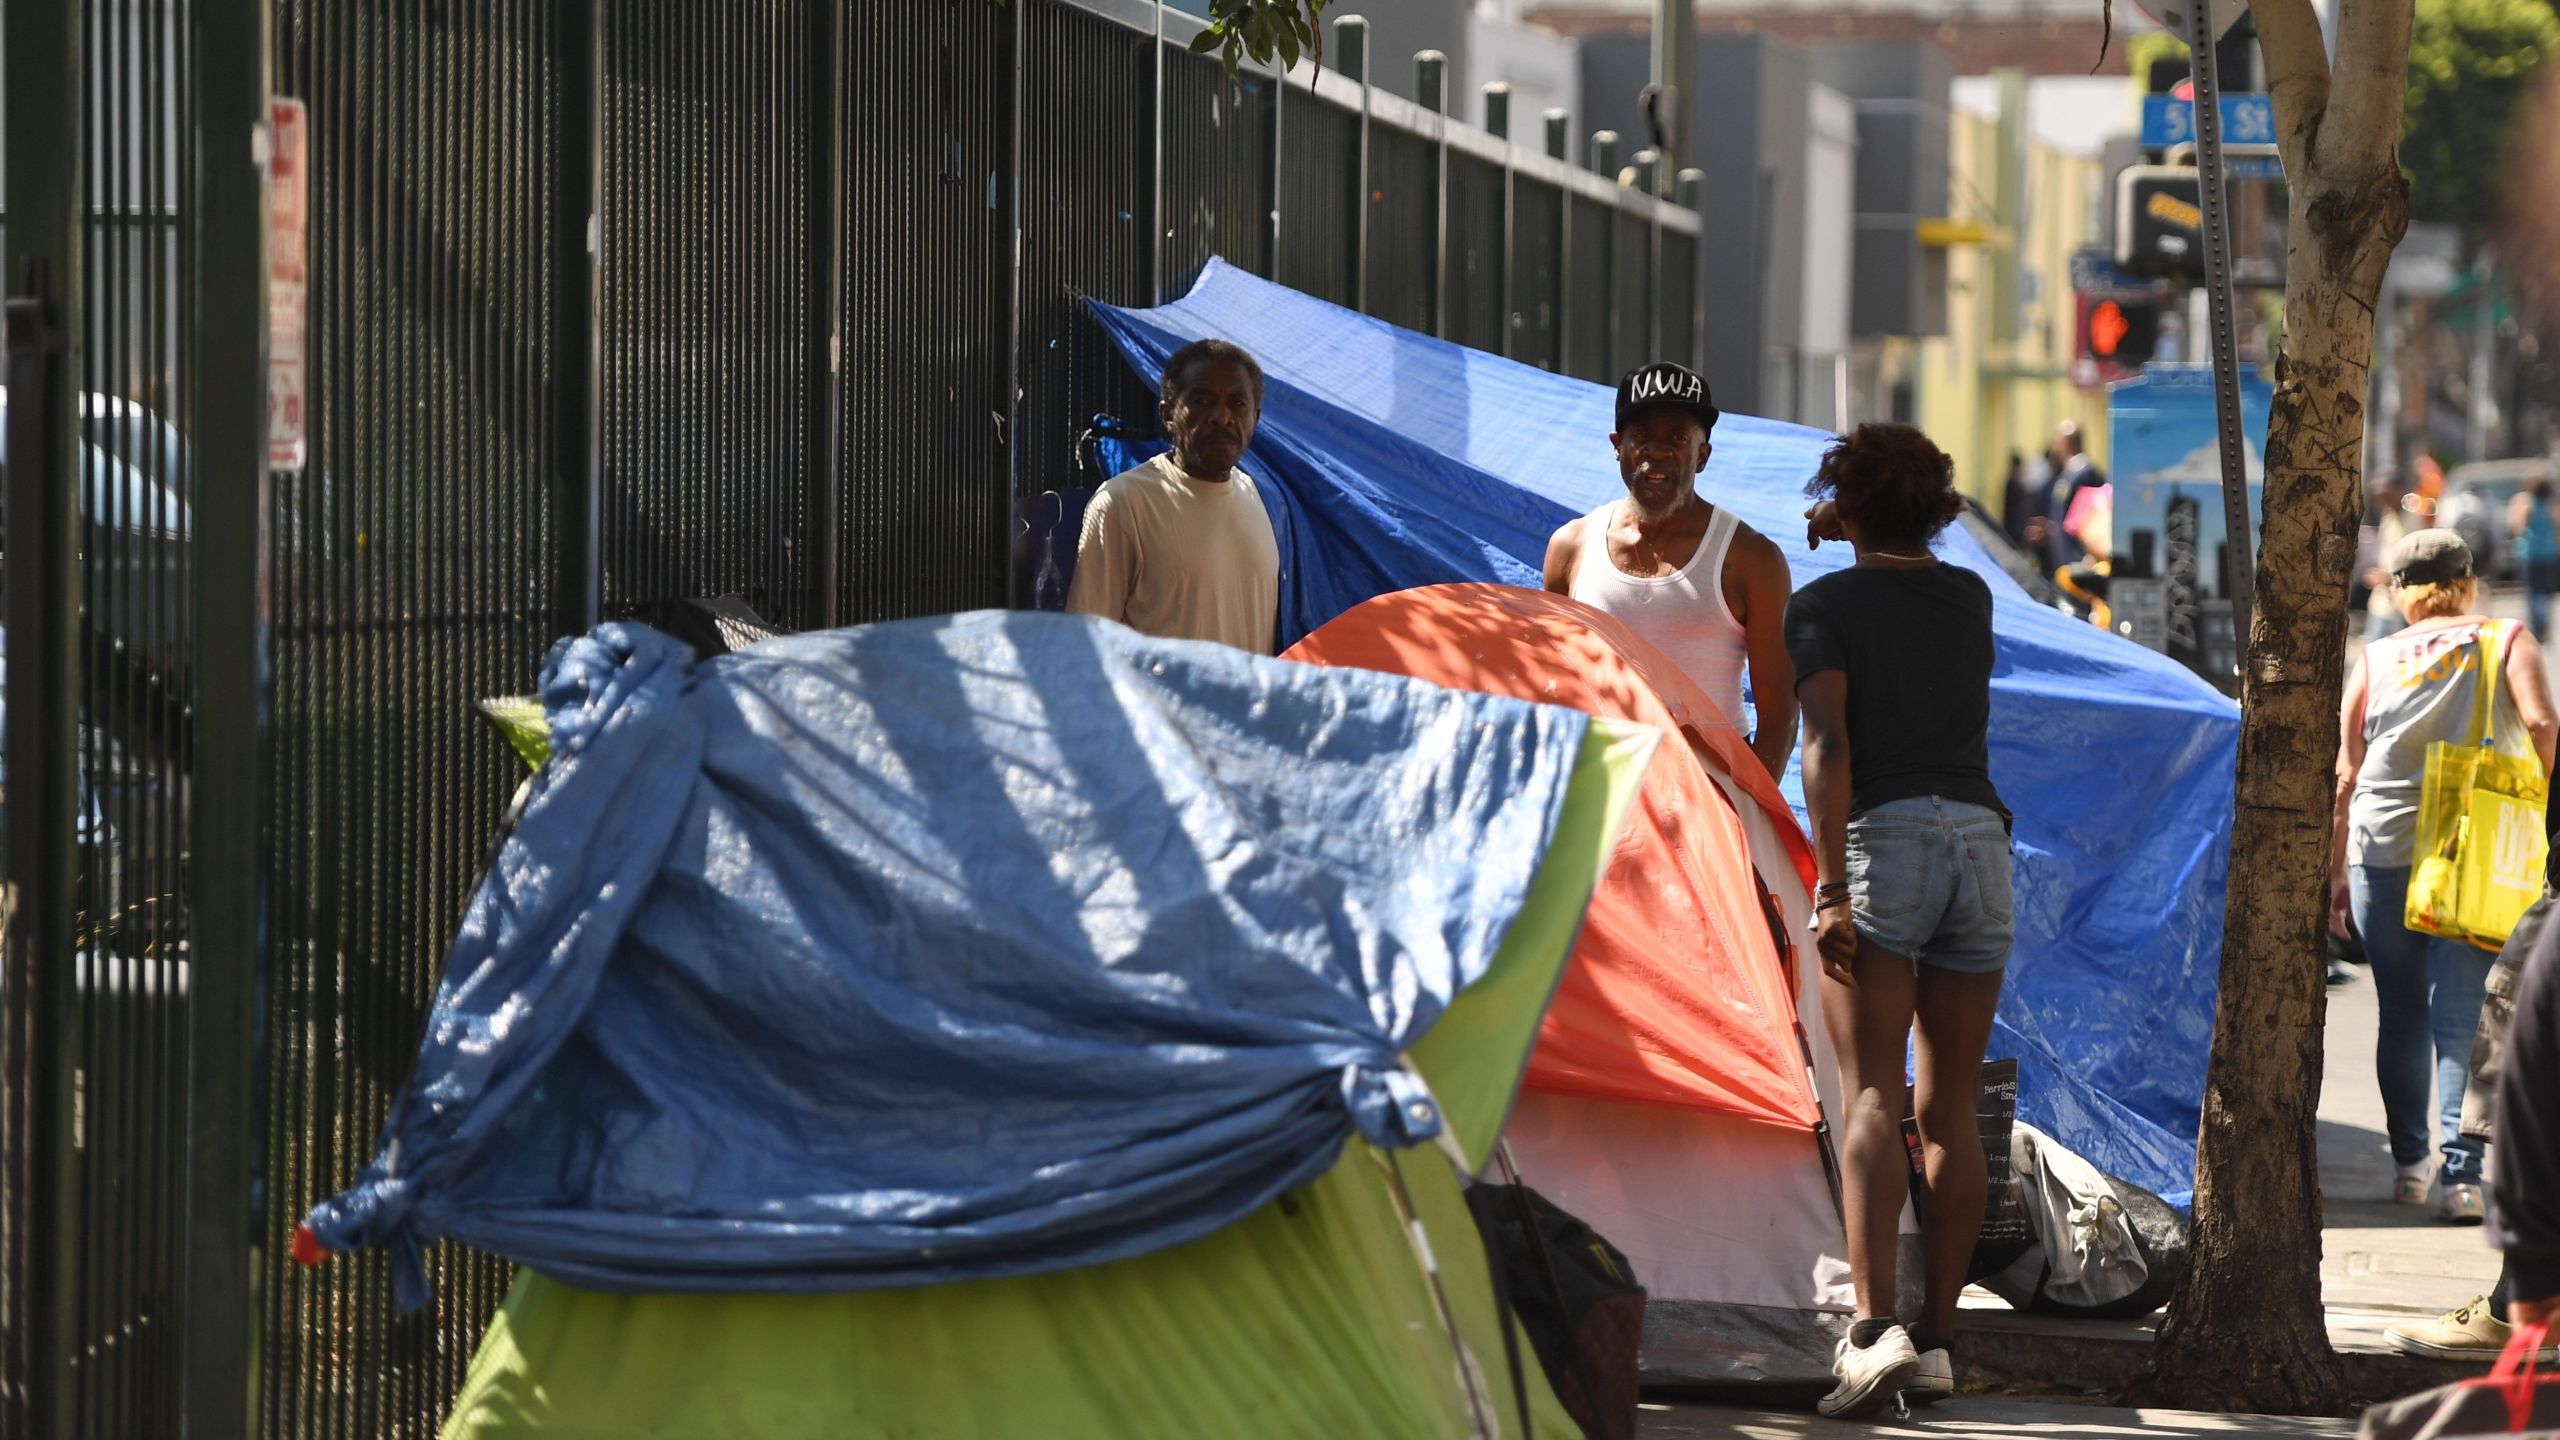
[2419,689]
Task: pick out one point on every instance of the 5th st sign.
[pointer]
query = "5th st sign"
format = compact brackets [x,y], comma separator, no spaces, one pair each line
[2248,122]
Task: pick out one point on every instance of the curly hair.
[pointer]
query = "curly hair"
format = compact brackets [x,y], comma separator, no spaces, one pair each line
[1897,486]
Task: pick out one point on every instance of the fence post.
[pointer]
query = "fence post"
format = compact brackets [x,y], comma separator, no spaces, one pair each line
[826,339]
[42,54]
[1560,147]
[1351,42]
[1693,198]
[1272,174]
[1431,87]
[576,483]
[1648,163]
[226,340]
[1604,161]
[1497,123]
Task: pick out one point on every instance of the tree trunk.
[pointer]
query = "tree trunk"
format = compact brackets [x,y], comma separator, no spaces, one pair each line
[2245,1330]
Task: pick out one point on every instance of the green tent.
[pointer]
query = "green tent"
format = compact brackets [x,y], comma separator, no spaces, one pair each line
[1315,1316]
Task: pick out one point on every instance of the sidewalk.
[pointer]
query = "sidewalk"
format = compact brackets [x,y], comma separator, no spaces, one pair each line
[2380,1264]
[1978,1417]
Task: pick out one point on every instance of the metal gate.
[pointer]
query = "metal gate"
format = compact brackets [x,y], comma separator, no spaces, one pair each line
[606,306]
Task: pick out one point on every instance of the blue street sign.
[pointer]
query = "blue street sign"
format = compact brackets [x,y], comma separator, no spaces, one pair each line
[2246,120]
[2253,167]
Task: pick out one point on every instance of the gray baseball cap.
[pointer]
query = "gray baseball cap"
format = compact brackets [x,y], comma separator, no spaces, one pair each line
[2428,557]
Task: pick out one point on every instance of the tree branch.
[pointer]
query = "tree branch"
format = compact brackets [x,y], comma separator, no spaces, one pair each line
[2371,81]
[2297,77]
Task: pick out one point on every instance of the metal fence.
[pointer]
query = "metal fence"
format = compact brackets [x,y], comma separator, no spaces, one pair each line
[608,306]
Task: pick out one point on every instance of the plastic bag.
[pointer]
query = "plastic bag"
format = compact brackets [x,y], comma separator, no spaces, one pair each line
[2481,841]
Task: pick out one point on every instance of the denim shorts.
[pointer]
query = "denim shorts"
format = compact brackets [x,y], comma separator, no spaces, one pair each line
[1929,879]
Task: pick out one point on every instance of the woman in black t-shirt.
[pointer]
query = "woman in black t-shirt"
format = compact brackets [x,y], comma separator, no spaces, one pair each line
[1912,916]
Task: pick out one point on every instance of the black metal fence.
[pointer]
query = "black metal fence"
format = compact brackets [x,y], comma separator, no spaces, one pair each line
[608,305]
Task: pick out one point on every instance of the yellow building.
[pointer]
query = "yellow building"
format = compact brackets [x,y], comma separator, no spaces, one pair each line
[2001,378]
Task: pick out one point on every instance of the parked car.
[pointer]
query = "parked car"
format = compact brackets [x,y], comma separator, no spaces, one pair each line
[135,525]
[2476,498]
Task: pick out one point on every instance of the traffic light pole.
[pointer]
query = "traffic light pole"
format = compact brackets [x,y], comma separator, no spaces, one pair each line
[2239,578]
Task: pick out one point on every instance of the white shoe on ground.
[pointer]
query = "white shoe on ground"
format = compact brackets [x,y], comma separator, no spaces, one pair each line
[1870,1377]
[1934,1381]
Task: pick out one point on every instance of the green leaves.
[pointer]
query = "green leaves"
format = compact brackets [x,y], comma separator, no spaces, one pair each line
[2472,65]
[520,719]
[1271,31]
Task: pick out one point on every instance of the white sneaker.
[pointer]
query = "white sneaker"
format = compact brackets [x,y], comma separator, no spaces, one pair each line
[1934,1381]
[1870,1377]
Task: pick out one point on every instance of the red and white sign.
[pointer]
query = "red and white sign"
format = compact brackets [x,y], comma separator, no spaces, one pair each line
[288,247]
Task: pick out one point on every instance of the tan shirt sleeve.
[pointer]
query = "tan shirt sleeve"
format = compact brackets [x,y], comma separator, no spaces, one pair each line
[1106,560]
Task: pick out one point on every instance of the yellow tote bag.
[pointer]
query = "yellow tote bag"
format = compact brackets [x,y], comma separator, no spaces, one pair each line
[2481,838]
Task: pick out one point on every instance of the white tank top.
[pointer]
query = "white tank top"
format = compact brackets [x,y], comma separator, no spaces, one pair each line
[1682,614]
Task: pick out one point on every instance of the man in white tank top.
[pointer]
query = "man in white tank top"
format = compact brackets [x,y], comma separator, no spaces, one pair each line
[1708,591]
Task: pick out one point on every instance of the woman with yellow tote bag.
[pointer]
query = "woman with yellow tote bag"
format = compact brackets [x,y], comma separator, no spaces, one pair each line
[2470,692]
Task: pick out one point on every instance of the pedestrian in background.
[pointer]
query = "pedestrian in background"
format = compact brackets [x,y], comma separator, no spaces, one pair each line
[2537,550]
[2410,690]
[2391,524]
[1913,911]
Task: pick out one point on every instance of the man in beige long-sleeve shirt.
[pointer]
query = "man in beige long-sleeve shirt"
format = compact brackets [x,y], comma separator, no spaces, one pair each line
[1181,547]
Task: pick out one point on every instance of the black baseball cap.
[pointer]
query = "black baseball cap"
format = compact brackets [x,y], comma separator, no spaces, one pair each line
[1663,383]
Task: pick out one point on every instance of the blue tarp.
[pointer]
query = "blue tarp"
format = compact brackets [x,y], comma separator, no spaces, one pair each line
[1394,460]
[976,946]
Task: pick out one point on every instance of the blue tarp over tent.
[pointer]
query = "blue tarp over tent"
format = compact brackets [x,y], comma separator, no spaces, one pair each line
[1393,459]
[985,945]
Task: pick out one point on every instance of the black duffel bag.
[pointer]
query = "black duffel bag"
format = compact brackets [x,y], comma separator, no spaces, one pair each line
[1576,1297]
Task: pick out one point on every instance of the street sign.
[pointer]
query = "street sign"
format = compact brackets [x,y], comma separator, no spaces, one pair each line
[2253,167]
[2095,273]
[2247,121]
[2172,14]
[288,231]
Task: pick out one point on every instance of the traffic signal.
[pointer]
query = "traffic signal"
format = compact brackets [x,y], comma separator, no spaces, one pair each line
[2160,221]
[2120,332]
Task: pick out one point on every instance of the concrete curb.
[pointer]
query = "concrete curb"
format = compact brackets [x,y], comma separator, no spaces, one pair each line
[2032,1353]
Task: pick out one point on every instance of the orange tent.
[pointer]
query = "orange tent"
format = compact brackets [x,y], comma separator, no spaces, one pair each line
[1674,1100]
[1680,993]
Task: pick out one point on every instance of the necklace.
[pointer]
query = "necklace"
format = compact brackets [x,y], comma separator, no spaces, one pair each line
[1889,555]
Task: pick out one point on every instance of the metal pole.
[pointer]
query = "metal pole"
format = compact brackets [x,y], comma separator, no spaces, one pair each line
[1674,30]
[576,482]
[1559,147]
[1431,87]
[38,995]
[1693,198]
[1016,367]
[829,521]
[1155,242]
[1351,42]
[2240,579]
[2482,421]
[1497,122]
[1604,159]
[1650,170]
[234,675]
[1272,171]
